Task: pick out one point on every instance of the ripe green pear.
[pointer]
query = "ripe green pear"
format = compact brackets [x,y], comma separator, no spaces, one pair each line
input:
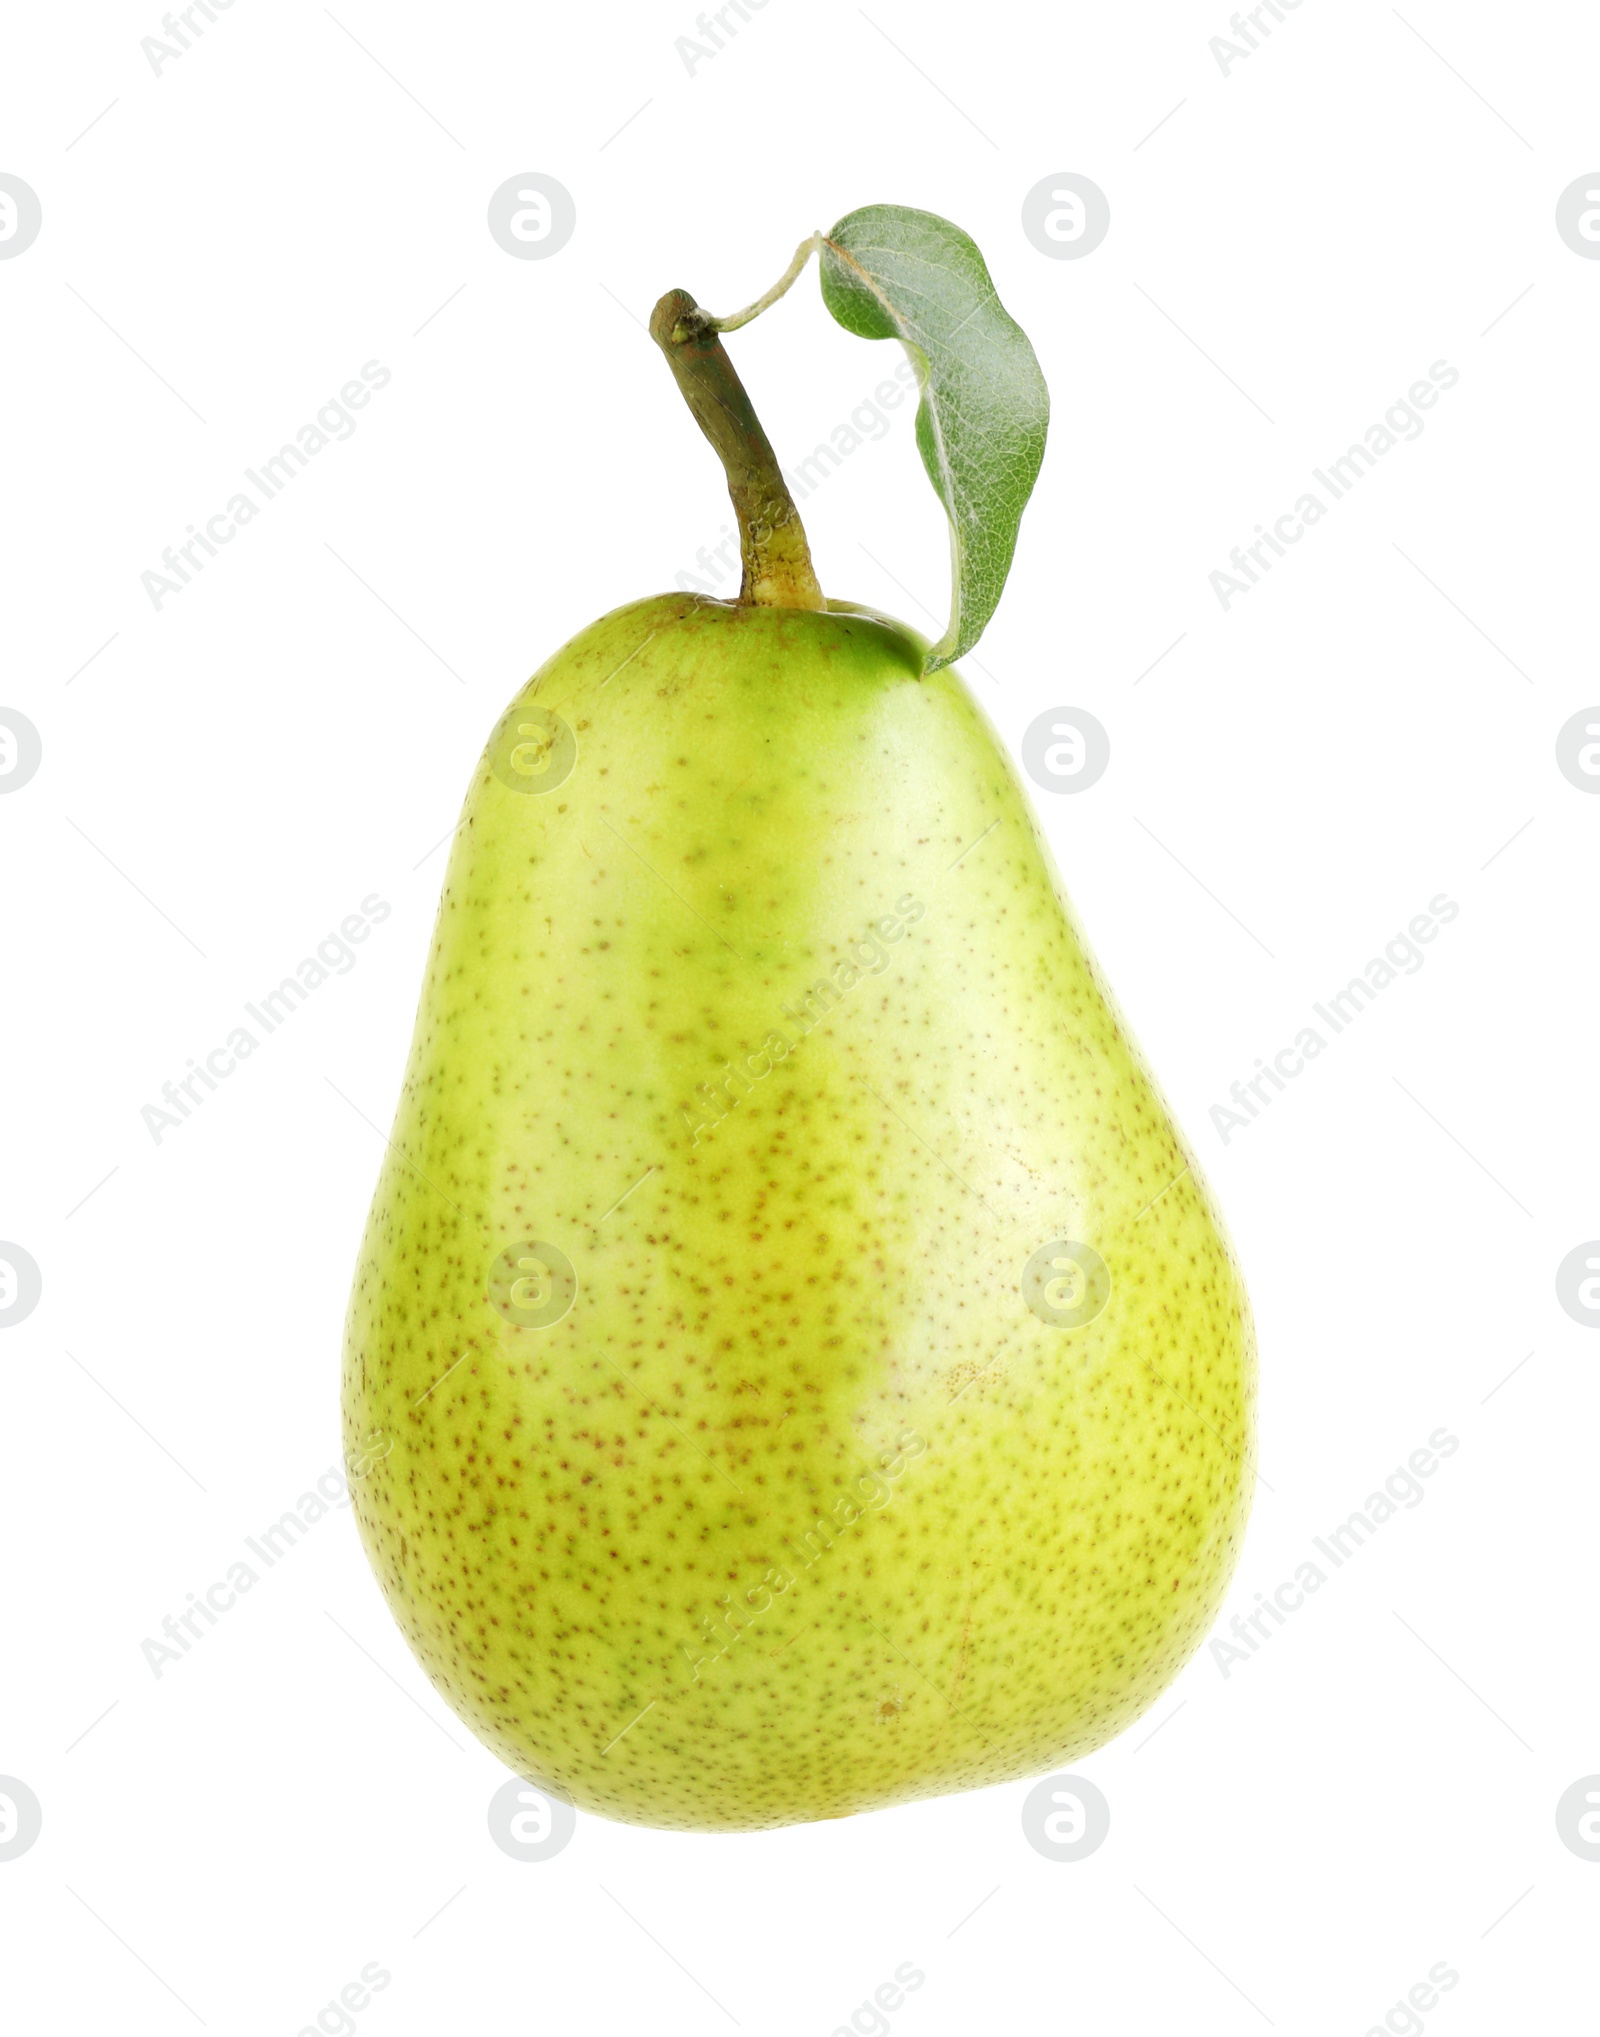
[740,1440]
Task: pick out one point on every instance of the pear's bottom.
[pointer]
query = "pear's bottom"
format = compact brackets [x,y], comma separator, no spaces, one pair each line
[821,1697]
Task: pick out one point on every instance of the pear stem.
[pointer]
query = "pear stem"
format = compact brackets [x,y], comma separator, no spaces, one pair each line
[772,541]
[735,319]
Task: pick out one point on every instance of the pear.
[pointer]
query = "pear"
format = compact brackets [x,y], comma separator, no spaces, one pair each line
[794,1365]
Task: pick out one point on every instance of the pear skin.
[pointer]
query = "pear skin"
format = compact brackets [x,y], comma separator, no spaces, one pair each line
[809,1368]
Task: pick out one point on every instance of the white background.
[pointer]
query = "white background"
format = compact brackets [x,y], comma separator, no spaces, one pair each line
[224,780]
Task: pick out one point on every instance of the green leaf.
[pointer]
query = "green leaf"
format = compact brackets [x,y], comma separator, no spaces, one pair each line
[889,272]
